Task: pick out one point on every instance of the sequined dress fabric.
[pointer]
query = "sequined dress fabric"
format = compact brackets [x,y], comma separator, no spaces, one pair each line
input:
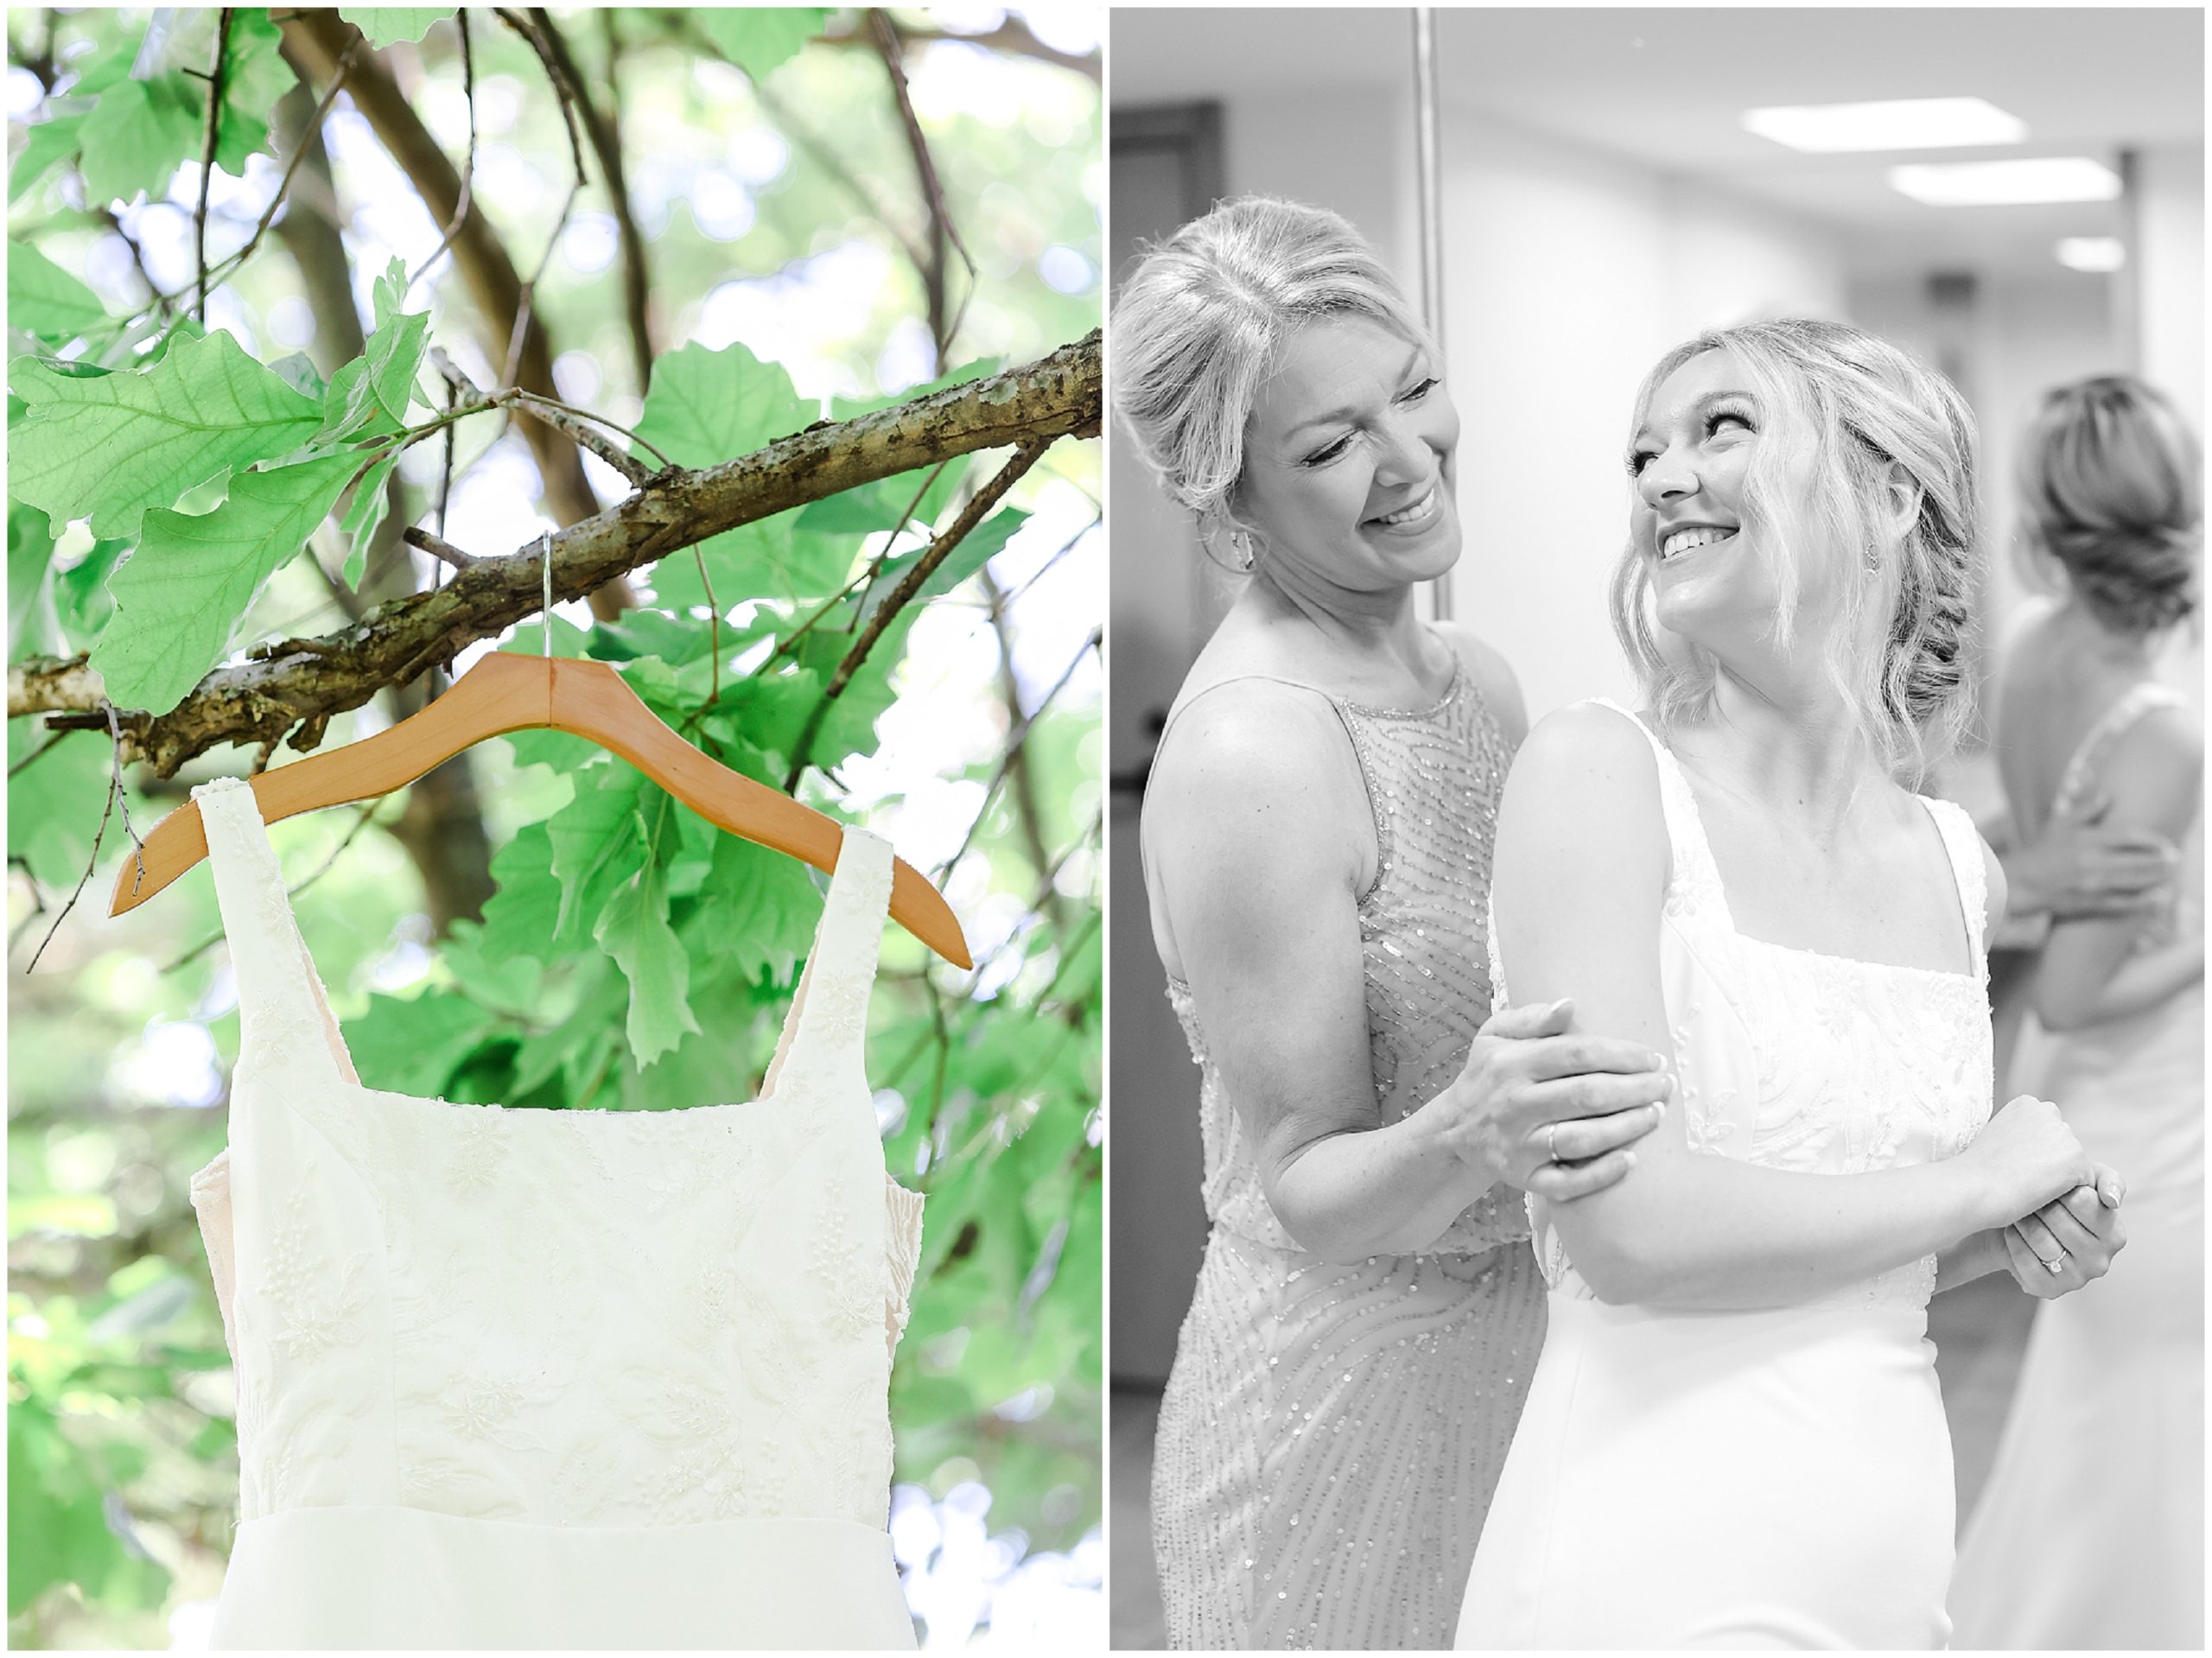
[1331,1432]
[553,1379]
[1777,1476]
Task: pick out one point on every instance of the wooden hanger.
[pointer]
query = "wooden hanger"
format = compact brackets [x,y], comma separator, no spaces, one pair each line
[505,692]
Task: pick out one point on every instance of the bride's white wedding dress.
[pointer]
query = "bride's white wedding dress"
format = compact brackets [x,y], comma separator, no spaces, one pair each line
[1779,1477]
[553,1379]
[2090,1531]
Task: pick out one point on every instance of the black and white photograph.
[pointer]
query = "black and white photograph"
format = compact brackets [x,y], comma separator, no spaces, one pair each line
[1656,870]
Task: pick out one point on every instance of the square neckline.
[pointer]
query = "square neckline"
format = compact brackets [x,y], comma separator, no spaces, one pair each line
[341,1058]
[1971,975]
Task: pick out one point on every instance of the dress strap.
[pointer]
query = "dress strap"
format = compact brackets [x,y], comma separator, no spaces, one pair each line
[2132,705]
[1693,876]
[284,1015]
[1962,842]
[825,1032]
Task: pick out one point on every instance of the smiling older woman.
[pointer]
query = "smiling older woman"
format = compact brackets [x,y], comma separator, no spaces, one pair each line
[1317,839]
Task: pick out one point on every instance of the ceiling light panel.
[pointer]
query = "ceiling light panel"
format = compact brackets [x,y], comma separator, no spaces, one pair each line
[1895,124]
[2013,183]
[2094,253]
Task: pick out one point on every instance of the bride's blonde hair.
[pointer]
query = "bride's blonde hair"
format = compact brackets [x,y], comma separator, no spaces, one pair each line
[1865,414]
[1200,319]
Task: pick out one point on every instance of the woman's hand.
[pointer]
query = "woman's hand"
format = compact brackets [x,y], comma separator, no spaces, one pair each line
[2080,1232]
[2077,866]
[2025,1157]
[1550,1112]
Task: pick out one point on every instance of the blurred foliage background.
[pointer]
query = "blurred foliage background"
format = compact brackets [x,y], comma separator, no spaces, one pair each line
[773,252]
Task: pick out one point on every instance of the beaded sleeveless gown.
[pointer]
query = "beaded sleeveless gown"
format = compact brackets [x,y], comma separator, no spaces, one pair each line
[1781,1477]
[553,1379]
[2090,1531]
[1331,1432]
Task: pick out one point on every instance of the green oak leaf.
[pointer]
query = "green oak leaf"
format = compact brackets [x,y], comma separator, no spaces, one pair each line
[757,38]
[110,446]
[178,597]
[45,301]
[848,726]
[137,135]
[755,907]
[521,918]
[30,550]
[705,406]
[415,1046]
[634,928]
[80,595]
[974,549]
[297,370]
[51,142]
[389,25]
[55,803]
[364,516]
[596,843]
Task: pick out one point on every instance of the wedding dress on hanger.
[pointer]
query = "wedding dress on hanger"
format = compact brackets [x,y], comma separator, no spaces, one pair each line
[553,1379]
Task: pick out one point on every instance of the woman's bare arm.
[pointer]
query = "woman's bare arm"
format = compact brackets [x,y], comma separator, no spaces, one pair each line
[1257,847]
[1581,871]
[2091,968]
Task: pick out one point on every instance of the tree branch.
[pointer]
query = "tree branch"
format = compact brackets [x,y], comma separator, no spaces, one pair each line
[900,597]
[607,146]
[208,156]
[1012,36]
[892,49]
[321,38]
[1059,396]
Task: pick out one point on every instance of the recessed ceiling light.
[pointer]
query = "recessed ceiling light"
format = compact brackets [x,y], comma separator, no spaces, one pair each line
[2092,252]
[1988,184]
[1894,123]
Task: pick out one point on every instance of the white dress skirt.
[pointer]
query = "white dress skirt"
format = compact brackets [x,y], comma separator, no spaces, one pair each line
[1773,1478]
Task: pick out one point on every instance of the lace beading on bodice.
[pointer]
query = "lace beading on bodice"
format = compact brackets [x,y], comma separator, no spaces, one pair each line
[1819,1064]
[1434,777]
[573,1319]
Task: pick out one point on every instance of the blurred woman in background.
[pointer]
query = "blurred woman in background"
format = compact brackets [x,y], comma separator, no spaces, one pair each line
[2090,1531]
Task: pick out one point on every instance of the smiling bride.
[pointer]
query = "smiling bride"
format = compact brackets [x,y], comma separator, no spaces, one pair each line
[1734,1435]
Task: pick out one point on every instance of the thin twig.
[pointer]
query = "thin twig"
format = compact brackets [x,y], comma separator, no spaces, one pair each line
[115,793]
[867,578]
[602,127]
[1013,757]
[558,414]
[436,546]
[565,95]
[713,631]
[468,174]
[207,154]
[941,228]
[1023,457]
[445,469]
[36,753]
[233,262]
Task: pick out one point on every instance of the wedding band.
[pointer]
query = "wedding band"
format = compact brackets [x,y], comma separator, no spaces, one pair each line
[1551,1147]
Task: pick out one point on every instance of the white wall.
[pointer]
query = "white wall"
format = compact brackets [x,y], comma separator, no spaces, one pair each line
[1567,275]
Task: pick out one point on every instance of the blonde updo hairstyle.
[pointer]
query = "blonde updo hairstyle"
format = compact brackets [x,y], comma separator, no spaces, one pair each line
[1866,417]
[1200,319]
[2109,485]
